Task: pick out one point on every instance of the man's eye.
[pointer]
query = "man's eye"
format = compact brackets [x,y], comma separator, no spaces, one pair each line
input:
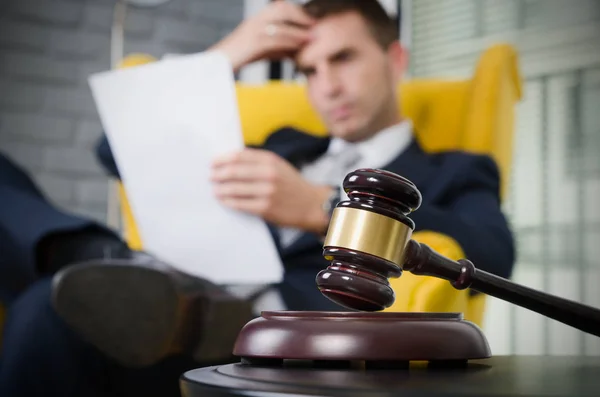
[344,56]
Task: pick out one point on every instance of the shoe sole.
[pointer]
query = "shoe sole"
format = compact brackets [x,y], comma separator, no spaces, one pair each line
[139,315]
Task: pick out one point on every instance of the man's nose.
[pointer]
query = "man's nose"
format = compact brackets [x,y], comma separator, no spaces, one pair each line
[329,82]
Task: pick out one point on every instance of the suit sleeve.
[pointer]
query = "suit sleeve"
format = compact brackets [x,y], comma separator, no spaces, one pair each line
[474,219]
[105,157]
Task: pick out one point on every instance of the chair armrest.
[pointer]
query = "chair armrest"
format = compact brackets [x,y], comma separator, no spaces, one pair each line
[130,230]
[432,294]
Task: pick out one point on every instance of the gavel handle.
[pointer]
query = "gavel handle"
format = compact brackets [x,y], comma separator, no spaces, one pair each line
[422,260]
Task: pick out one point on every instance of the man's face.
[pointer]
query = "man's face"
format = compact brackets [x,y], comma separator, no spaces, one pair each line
[352,81]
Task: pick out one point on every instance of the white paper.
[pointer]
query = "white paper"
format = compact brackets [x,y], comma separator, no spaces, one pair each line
[166,122]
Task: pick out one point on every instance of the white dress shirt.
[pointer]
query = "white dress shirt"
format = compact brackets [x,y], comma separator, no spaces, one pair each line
[375,152]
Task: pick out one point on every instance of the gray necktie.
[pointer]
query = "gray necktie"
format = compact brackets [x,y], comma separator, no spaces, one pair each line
[334,168]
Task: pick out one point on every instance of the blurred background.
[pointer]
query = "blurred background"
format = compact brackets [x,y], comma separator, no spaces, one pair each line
[49,124]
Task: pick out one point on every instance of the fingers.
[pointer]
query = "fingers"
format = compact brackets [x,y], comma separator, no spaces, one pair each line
[253,196]
[256,156]
[289,13]
[252,205]
[286,27]
[244,155]
[243,190]
[246,166]
[287,37]
[242,172]
[245,180]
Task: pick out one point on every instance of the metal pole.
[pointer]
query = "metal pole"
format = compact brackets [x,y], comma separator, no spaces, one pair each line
[113,218]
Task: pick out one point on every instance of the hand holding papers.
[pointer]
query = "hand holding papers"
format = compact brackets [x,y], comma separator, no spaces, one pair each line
[166,122]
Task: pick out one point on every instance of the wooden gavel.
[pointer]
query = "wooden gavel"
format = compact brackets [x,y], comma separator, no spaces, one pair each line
[369,241]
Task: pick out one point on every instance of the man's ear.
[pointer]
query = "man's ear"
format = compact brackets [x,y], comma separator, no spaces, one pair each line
[398,55]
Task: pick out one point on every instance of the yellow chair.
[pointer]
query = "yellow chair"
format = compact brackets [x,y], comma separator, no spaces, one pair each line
[475,115]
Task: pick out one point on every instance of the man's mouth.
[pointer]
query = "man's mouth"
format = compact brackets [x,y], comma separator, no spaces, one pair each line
[341,113]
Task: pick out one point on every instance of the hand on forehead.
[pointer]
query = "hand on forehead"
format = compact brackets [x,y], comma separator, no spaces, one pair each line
[331,35]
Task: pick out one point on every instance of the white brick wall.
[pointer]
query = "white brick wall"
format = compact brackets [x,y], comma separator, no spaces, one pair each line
[48,121]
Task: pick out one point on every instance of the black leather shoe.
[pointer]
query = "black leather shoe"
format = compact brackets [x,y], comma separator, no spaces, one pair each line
[139,311]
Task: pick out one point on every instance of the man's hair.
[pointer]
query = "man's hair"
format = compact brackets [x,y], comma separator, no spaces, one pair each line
[384,29]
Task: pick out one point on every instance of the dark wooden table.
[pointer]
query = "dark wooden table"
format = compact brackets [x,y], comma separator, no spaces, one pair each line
[498,376]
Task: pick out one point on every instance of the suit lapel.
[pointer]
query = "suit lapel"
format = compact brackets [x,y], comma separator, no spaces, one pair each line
[297,147]
[413,164]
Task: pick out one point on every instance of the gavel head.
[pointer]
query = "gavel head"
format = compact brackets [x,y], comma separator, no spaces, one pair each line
[366,240]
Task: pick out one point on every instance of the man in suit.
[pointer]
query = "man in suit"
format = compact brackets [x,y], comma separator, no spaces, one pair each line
[349,52]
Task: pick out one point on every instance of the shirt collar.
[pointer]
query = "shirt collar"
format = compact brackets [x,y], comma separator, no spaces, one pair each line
[381,148]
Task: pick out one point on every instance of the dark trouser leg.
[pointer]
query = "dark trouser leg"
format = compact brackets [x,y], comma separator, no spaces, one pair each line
[41,356]
[38,237]
[135,310]
[13,278]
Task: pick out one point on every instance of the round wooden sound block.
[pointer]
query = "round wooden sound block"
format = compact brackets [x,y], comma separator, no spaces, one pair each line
[381,339]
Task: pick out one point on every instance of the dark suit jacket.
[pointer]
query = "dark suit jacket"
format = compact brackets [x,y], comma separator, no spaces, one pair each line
[460,199]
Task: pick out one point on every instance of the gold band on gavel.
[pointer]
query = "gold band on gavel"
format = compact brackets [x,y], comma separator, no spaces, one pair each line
[368,232]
